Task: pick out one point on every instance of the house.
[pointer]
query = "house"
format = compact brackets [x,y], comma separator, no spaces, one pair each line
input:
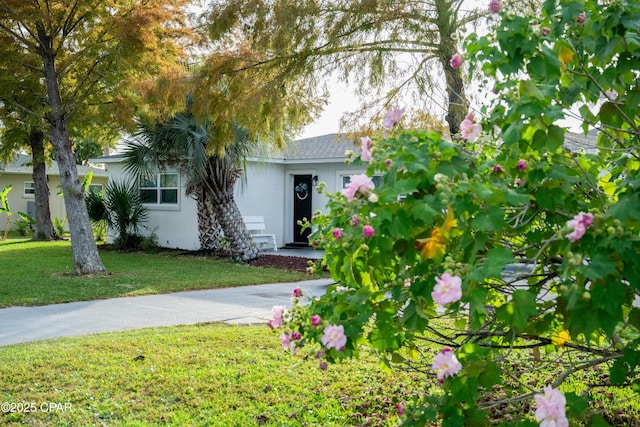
[281,188]
[18,173]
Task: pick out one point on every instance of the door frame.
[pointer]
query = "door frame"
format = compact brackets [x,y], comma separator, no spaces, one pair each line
[288,200]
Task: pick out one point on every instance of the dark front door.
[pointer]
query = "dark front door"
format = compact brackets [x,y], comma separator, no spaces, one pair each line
[302,192]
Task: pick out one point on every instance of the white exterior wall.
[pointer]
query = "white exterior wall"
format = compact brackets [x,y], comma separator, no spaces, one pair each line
[174,226]
[262,195]
[267,192]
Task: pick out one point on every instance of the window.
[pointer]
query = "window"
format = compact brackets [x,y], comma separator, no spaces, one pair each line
[29,188]
[95,188]
[159,189]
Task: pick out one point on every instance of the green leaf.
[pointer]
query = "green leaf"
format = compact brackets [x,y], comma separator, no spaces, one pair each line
[491,219]
[527,87]
[496,260]
[618,372]
[628,206]
[490,375]
[517,312]
[599,267]
[609,115]
[555,138]
[597,420]
[576,405]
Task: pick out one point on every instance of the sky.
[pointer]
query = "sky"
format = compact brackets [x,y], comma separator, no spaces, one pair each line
[343,99]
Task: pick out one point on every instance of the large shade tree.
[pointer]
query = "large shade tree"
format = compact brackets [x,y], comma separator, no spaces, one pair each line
[87,54]
[393,52]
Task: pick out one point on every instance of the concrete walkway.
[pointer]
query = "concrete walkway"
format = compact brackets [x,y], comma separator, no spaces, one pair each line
[248,304]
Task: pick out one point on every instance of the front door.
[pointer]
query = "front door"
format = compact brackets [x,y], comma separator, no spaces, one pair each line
[302,192]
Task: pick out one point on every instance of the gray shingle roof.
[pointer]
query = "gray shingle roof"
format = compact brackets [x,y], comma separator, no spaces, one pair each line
[324,147]
[22,165]
[332,147]
[578,141]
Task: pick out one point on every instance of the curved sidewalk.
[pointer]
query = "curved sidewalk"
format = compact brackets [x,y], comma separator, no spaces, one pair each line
[247,304]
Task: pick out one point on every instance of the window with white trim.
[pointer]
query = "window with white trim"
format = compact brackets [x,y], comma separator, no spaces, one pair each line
[159,189]
[95,188]
[29,188]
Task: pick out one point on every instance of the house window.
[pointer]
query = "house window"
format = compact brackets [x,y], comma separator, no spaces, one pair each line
[159,189]
[29,188]
[95,188]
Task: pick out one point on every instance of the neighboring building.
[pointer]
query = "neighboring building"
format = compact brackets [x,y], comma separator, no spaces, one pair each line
[281,188]
[21,197]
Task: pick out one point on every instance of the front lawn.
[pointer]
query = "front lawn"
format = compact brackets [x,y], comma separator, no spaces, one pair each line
[38,273]
[202,375]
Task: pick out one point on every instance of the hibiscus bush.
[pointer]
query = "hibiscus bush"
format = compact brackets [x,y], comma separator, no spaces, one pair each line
[517,258]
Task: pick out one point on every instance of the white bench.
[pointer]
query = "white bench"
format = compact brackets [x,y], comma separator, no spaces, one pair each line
[256,226]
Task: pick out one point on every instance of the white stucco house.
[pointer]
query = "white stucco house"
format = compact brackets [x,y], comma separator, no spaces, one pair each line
[281,188]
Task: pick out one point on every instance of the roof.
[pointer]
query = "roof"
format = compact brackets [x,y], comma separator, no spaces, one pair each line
[328,148]
[22,165]
[579,141]
[331,148]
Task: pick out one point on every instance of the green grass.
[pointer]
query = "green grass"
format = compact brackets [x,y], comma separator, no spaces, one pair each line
[202,375]
[37,273]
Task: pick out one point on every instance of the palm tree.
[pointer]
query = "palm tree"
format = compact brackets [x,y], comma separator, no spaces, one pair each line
[181,142]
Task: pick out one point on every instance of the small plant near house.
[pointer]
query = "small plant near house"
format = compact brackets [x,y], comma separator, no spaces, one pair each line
[119,207]
[59,223]
[4,207]
[24,224]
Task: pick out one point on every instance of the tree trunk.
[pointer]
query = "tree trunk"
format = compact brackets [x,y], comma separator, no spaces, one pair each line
[241,243]
[458,104]
[44,229]
[86,259]
[221,178]
[209,230]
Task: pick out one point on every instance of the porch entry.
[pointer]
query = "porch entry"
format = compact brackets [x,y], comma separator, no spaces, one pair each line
[302,195]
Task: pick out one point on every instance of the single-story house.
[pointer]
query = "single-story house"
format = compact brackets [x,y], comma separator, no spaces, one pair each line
[19,173]
[281,188]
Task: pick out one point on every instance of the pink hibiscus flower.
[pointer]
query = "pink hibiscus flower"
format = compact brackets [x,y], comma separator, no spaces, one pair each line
[470,130]
[446,364]
[358,184]
[448,289]
[392,117]
[551,408]
[333,337]
[579,223]
[365,147]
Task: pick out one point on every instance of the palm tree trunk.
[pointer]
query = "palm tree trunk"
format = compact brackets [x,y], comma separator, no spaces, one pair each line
[209,229]
[221,178]
[241,243]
